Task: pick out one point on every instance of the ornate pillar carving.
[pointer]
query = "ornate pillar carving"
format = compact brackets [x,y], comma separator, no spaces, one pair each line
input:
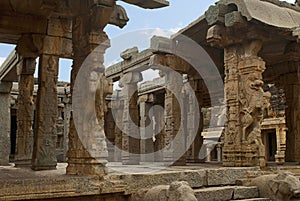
[245,102]
[24,141]
[88,156]
[5,88]
[131,131]
[45,133]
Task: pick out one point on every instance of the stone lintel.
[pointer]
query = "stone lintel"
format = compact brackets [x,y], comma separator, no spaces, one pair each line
[151,4]
[166,62]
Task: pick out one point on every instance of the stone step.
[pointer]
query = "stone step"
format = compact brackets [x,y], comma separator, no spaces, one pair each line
[226,193]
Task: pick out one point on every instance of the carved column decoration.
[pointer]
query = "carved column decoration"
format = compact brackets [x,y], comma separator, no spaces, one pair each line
[173,121]
[131,132]
[87,35]
[45,134]
[5,88]
[24,141]
[245,101]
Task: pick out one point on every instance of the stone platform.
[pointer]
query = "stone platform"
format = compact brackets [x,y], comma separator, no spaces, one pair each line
[119,184]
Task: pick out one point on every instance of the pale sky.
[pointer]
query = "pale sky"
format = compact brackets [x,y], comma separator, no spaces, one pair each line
[143,22]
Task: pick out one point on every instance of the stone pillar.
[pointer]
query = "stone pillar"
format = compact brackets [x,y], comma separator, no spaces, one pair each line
[209,148]
[219,152]
[194,121]
[24,141]
[245,102]
[5,88]
[131,132]
[281,144]
[117,110]
[45,133]
[291,84]
[173,122]
[146,128]
[87,154]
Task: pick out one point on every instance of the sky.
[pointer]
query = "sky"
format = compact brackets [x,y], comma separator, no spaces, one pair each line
[143,23]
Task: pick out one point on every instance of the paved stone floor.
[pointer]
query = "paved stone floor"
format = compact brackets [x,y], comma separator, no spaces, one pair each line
[10,172]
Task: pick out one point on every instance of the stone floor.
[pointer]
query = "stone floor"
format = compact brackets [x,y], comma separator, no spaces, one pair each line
[21,184]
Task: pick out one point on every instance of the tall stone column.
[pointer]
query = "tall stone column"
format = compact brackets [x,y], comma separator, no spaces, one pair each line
[291,84]
[5,88]
[173,122]
[45,134]
[146,128]
[24,141]
[117,109]
[194,121]
[131,131]
[87,154]
[245,102]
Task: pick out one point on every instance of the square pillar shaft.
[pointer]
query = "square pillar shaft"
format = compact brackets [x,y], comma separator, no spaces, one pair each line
[24,141]
[5,88]
[45,135]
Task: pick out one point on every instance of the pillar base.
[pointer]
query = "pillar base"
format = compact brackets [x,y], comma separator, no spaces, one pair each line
[241,156]
[23,163]
[82,167]
[44,167]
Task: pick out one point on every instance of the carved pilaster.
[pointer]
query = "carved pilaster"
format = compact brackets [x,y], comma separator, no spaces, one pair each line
[5,88]
[245,101]
[24,141]
[131,130]
[88,156]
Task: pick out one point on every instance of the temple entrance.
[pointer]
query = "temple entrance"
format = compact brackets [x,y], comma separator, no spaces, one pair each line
[269,140]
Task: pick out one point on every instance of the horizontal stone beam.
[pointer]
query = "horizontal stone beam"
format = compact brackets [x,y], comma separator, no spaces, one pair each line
[8,72]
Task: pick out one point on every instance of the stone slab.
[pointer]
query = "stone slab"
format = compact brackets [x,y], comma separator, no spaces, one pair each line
[227,176]
[244,192]
[215,193]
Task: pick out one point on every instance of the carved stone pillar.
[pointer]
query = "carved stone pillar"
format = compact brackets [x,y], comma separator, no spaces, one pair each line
[117,110]
[291,84]
[24,141]
[146,128]
[173,122]
[5,88]
[194,121]
[245,102]
[45,134]
[131,131]
[281,144]
[87,155]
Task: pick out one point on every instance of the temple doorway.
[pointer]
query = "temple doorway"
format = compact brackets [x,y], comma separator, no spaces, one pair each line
[269,140]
